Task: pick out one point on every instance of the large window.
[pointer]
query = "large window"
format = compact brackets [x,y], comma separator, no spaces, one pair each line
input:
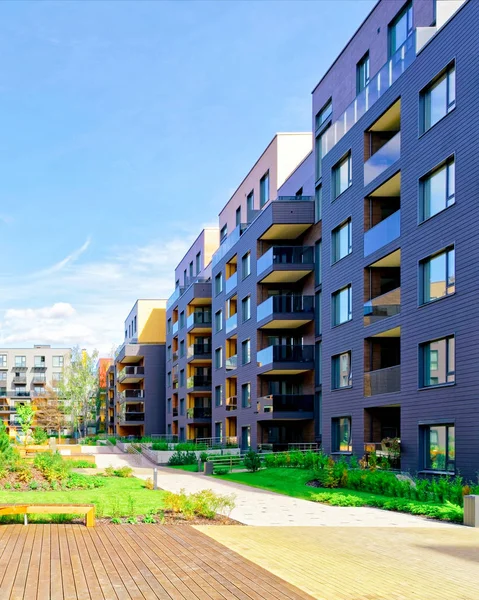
[324,114]
[318,202]
[439,447]
[264,190]
[342,306]
[246,308]
[3,361]
[341,241]
[246,395]
[342,176]
[249,203]
[218,358]
[438,274]
[182,348]
[223,233]
[437,362]
[438,190]
[439,98]
[341,376]
[198,262]
[39,361]
[182,319]
[362,73]
[20,361]
[218,283]
[341,435]
[400,29]
[218,321]
[246,352]
[317,314]
[318,379]
[238,216]
[182,378]
[218,395]
[317,263]
[246,265]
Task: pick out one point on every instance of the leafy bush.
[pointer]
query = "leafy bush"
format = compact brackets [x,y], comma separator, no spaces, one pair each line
[205,504]
[296,459]
[182,458]
[123,471]
[109,471]
[81,464]
[204,456]
[39,436]
[52,466]
[160,446]
[221,470]
[149,483]
[83,482]
[252,461]
[33,485]
[112,441]
[188,447]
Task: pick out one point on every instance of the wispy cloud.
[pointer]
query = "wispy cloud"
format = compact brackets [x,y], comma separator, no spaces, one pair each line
[66,261]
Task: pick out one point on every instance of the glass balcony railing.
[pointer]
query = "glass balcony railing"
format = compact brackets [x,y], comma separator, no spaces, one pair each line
[285,305]
[382,381]
[285,353]
[286,403]
[199,318]
[231,403]
[131,394]
[131,372]
[231,323]
[383,233]
[199,350]
[285,255]
[381,160]
[202,381]
[231,363]
[132,417]
[174,296]
[231,283]
[376,88]
[382,307]
[174,329]
[198,413]
[228,243]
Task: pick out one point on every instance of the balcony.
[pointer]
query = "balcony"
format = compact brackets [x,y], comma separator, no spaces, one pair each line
[20,379]
[231,283]
[286,359]
[198,413]
[382,381]
[6,408]
[175,411]
[376,88]
[288,406]
[175,356]
[228,243]
[199,383]
[231,403]
[39,380]
[198,352]
[174,296]
[382,307]
[19,394]
[131,374]
[285,312]
[231,323]
[199,321]
[285,264]
[174,329]
[384,158]
[231,363]
[132,418]
[130,395]
[383,233]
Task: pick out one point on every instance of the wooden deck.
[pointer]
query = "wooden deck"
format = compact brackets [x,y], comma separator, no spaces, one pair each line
[70,562]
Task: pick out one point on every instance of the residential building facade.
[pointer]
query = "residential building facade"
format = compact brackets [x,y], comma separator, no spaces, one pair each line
[137,383]
[102,367]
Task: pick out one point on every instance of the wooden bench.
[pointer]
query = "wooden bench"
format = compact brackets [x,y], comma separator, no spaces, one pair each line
[51,509]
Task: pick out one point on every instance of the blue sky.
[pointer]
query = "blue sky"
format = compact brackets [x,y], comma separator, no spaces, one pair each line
[124,128]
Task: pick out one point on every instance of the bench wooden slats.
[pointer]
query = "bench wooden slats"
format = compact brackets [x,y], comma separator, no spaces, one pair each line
[51,509]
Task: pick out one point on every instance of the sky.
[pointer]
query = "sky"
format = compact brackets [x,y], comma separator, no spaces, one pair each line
[124,129]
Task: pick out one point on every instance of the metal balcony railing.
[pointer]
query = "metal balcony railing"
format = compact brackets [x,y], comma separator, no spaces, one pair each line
[382,381]
[285,353]
[201,381]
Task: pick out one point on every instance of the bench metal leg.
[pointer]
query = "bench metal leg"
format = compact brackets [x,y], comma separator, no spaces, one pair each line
[25,519]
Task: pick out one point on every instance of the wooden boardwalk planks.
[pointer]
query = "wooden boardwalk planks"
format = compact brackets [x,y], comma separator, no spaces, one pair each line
[128,562]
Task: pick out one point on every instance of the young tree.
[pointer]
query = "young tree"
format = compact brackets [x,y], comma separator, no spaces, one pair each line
[6,449]
[25,414]
[50,412]
[78,387]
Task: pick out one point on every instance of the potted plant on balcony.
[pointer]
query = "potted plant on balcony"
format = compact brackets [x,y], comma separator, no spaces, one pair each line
[393,448]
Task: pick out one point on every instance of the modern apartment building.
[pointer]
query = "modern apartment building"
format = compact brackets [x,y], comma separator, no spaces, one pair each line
[27,374]
[339,306]
[136,384]
[103,365]
[188,331]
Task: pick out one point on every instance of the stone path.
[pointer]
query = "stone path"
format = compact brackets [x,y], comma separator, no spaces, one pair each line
[263,508]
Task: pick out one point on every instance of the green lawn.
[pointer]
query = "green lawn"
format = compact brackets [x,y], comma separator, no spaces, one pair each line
[190,468]
[129,493]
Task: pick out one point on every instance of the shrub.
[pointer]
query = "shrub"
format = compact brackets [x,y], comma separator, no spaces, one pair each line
[188,447]
[112,441]
[182,458]
[81,464]
[252,461]
[33,485]
[109,471]
[52,466]
[221,470]
[123,471]
[39,435]
[205,504]
[149,483]
[78,481]
[204,456]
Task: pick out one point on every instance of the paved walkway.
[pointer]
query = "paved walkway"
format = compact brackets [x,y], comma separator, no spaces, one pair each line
[263,508]
[344,563]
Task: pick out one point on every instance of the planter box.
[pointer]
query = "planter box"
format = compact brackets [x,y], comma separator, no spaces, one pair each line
[161,457]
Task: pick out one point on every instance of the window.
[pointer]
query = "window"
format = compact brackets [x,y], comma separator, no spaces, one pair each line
[250,202]
[246,351]
[218,283]
[134,322]
[318,201]
[57,376]
[185,278]
[246,395]
[3,376]
[362,73]
[218,395]
[182,348]
[219,358]
[342,176]
[341,243]
[342,311]
[168,379]
[437,362]
[177,284]
[324,114]
[438,276]
[238,216]
[317,263]
[400,29]
[182,319]
[182,377]
[439,99]
[223,233]
[169,405]
[168,353]
[317,314]
[264,190]
[182,434]
[168,328]
[218,321]
[246,265]
[182,407]
[439,447]
[318,379]
[341,376]
[20,361]
[198,263]
[3,361]
[246,308]
[438,190]
[341,435]
[57,361]
[191,272]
